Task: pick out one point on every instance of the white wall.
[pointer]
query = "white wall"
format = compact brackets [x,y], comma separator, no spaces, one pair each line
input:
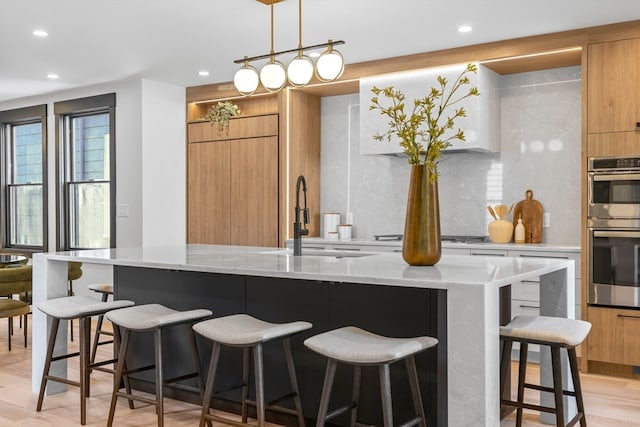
[540,150]
[163,164]
[150,125]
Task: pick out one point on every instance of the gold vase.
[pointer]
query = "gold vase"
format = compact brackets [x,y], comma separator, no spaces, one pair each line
[421,242]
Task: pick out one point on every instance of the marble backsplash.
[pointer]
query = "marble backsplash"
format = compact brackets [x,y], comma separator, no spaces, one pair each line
[540,150]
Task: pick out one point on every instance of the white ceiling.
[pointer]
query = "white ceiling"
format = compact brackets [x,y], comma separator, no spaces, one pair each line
[96,41]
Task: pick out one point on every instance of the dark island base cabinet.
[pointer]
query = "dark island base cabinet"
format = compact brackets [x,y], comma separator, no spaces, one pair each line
[386,310]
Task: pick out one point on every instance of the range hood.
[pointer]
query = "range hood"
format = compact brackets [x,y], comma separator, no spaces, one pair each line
[481,126]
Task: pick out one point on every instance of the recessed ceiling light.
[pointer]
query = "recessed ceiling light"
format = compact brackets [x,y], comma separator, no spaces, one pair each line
[52,76]
[464,28]
[203,73]
[40,33]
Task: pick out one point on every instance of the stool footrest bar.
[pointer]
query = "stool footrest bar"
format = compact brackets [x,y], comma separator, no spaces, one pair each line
[412,422]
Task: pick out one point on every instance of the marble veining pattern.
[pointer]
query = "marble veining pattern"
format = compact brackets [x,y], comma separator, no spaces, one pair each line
[540,150]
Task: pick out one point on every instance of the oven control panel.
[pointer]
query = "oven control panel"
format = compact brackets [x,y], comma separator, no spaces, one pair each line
[612,163]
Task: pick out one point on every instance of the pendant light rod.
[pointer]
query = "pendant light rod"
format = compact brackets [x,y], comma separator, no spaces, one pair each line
[315,46]
[300,27]
[272,54]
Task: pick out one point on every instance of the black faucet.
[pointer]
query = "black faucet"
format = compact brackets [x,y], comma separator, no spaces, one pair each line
[298,230]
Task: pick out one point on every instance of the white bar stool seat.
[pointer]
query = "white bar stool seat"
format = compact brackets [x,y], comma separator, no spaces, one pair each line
[153,318]
[68,308]
[359,348]
[556,333]
[242,330]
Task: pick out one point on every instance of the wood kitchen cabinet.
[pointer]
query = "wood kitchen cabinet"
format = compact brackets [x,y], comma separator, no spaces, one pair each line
[613,86]
[613,98]
[241,183]
[614,335]
[233,182]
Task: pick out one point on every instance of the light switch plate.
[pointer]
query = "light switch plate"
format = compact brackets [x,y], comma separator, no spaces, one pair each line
[123,210]
[546,220]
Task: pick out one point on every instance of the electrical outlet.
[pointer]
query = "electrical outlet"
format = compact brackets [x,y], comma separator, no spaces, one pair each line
[546,220]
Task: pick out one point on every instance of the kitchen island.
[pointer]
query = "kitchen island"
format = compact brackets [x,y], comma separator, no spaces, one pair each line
[456,301]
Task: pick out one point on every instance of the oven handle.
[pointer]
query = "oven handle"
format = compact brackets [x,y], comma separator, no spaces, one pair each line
[600,233]
[616,177]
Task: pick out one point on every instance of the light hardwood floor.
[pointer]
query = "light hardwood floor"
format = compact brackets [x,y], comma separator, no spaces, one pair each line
[609,401]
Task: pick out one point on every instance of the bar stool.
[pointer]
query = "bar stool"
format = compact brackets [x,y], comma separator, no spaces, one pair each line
[357,347]
[68,308]
[556,333]
[152,318]
[104,290]
[249,333]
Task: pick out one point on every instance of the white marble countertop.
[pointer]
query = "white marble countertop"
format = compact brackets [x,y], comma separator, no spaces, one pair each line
[481,245]
[472,286]
[367,267]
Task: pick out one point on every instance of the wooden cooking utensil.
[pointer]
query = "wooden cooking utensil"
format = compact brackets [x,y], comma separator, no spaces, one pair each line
[493,214]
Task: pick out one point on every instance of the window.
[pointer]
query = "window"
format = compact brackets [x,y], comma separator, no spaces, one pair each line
[23,141]
[86,169]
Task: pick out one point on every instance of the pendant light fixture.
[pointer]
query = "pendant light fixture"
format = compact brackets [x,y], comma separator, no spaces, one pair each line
[273,76]
[330,64]
[301,69]
[246,79]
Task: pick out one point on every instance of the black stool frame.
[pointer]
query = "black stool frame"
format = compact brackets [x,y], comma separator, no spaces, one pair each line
[261,405]
[85,364]
[557,389]
[385,393]
[160,382]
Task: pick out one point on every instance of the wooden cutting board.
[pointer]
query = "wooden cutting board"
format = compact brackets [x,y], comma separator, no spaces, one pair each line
[530,211]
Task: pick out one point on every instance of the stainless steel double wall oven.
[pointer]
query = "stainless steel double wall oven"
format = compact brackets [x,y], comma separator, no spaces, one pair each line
[614,231]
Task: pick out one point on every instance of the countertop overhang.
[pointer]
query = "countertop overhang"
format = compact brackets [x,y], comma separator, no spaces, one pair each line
[372,268]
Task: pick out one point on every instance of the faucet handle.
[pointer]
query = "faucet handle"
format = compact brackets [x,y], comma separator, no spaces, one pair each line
[305,215]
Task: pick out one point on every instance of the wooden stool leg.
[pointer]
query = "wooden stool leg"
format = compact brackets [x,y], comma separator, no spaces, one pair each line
[246,365]
[26,321]
[293,379]
[117,378]
[412,372]
[208,389]
[47,361]
[522,374]
[385,395]
[157,338]
[259,380]
[557,385]
[575,375]
[505,363]
[326,392]
[355,394]
[84,337]
[10,322]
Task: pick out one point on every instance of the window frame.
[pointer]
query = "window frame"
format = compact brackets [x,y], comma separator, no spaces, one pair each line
[65,111]
[8,120]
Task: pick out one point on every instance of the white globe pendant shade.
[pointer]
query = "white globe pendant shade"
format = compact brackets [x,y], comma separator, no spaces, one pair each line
[300,70]
[273,76]
[329,65]
[246,80]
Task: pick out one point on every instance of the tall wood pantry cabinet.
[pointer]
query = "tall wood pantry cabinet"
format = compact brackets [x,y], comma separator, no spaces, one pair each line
[613,98]
[233,182]
[241,183]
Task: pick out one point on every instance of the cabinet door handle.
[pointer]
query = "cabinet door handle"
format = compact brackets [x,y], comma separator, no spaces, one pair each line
[481,254]
[543,256]
[530,281]
[530,306]
[626,316]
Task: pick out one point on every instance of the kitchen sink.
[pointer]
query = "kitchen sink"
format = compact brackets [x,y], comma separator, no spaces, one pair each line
[323,253]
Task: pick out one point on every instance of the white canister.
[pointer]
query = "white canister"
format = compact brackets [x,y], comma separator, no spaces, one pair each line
[331,221]
[344,231]
[332,235]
